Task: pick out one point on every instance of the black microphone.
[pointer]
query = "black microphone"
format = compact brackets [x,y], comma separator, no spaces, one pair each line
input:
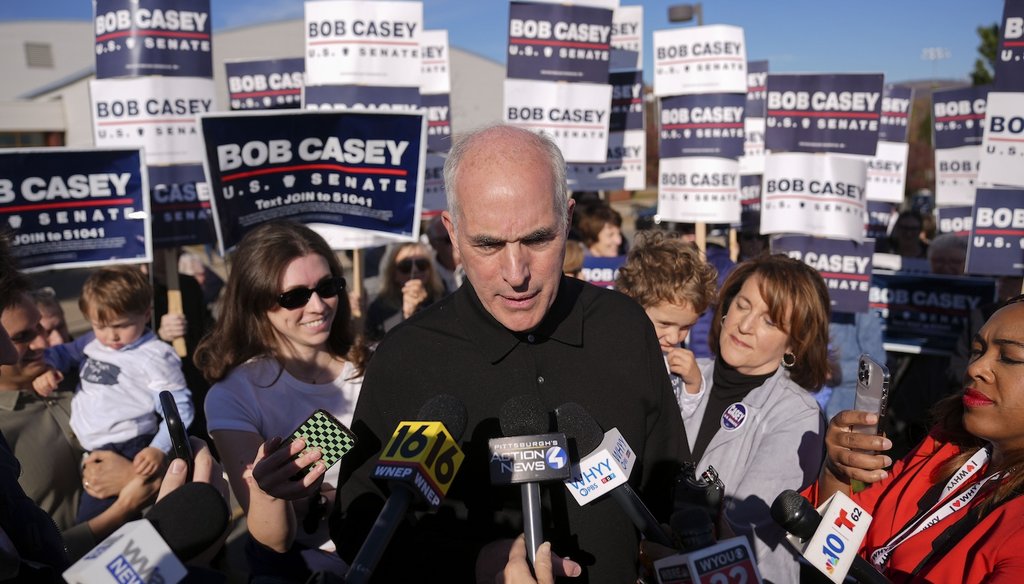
[797,516]
[605,464]
[528,456]
[190,519]
[692,529]
[178,528]
[418,463]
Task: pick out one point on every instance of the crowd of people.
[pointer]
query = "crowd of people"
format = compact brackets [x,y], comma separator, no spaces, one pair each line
[489,309]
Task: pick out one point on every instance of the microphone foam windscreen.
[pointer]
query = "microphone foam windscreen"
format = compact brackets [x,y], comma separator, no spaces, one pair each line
[795,514]
[692,528]
[576,422]
[523,415]
[447,409]
[190,519]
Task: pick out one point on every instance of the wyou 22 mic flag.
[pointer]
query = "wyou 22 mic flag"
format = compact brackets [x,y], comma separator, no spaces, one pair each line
[814,194]
[823,113]
[72,208]
[356,42]
[153,37]
[359,170]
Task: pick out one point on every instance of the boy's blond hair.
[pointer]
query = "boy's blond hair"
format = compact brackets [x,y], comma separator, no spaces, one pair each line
[115,291]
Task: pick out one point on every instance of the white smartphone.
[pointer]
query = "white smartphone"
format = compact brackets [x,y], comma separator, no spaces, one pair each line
[872,391]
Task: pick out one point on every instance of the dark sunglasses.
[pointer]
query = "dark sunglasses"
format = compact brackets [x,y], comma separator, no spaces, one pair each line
[299,297]
[405,266]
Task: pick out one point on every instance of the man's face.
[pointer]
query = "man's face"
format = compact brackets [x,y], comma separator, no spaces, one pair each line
[509,236]
[21,322]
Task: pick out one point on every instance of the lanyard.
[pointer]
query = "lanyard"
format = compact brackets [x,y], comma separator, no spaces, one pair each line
[942,509]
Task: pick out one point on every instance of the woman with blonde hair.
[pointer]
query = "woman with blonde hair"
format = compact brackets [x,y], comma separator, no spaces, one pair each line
[409,283]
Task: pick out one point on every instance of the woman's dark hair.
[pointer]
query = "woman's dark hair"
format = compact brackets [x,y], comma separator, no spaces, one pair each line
[797,299]
[243,330]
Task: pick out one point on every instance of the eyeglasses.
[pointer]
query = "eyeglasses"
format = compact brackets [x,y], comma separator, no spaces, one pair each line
[405,266]
[299,297]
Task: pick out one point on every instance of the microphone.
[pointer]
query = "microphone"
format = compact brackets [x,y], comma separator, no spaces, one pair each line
[178,528]
[528,456]
[833,536]
[692,530]
[605,469]
[419,464]
[703,560]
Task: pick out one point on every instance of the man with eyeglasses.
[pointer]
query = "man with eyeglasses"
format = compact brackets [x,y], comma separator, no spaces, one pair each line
[516,327]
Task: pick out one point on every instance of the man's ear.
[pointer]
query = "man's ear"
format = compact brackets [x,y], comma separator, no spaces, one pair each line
[572,206]
[449,226]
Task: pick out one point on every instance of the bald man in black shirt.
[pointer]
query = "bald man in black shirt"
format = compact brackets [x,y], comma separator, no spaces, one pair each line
[515,327]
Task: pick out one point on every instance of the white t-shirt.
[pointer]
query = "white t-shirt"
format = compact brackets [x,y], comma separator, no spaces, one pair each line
[260,396]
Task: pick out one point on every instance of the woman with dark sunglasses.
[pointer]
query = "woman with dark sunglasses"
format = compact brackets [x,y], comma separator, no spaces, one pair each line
[409,283]
[282,348]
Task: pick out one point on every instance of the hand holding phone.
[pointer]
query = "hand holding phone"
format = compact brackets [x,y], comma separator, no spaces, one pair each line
[180,446]
[324,431]
[872,391]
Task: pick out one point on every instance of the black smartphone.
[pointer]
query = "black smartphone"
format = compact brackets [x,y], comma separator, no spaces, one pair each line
[872,391]
[180,446]
[324,431]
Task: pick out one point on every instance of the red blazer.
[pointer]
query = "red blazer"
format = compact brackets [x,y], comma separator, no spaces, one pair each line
[992,552]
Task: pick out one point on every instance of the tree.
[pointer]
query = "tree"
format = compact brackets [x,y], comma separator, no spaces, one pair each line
[984,66]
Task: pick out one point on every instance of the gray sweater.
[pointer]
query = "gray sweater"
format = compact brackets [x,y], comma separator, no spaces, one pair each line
[778,445]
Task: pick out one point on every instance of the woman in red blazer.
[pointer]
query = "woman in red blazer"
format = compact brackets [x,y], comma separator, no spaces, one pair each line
[950,511]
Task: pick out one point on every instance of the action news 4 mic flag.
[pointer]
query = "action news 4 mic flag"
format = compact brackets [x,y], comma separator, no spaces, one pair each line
[844,265]
[360,170]
[153,37]
[265,83]
[75,208]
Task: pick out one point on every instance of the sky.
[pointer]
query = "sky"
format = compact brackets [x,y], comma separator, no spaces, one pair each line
[795,36]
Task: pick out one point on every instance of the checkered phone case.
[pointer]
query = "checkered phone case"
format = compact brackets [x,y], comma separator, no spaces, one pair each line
[324,431]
